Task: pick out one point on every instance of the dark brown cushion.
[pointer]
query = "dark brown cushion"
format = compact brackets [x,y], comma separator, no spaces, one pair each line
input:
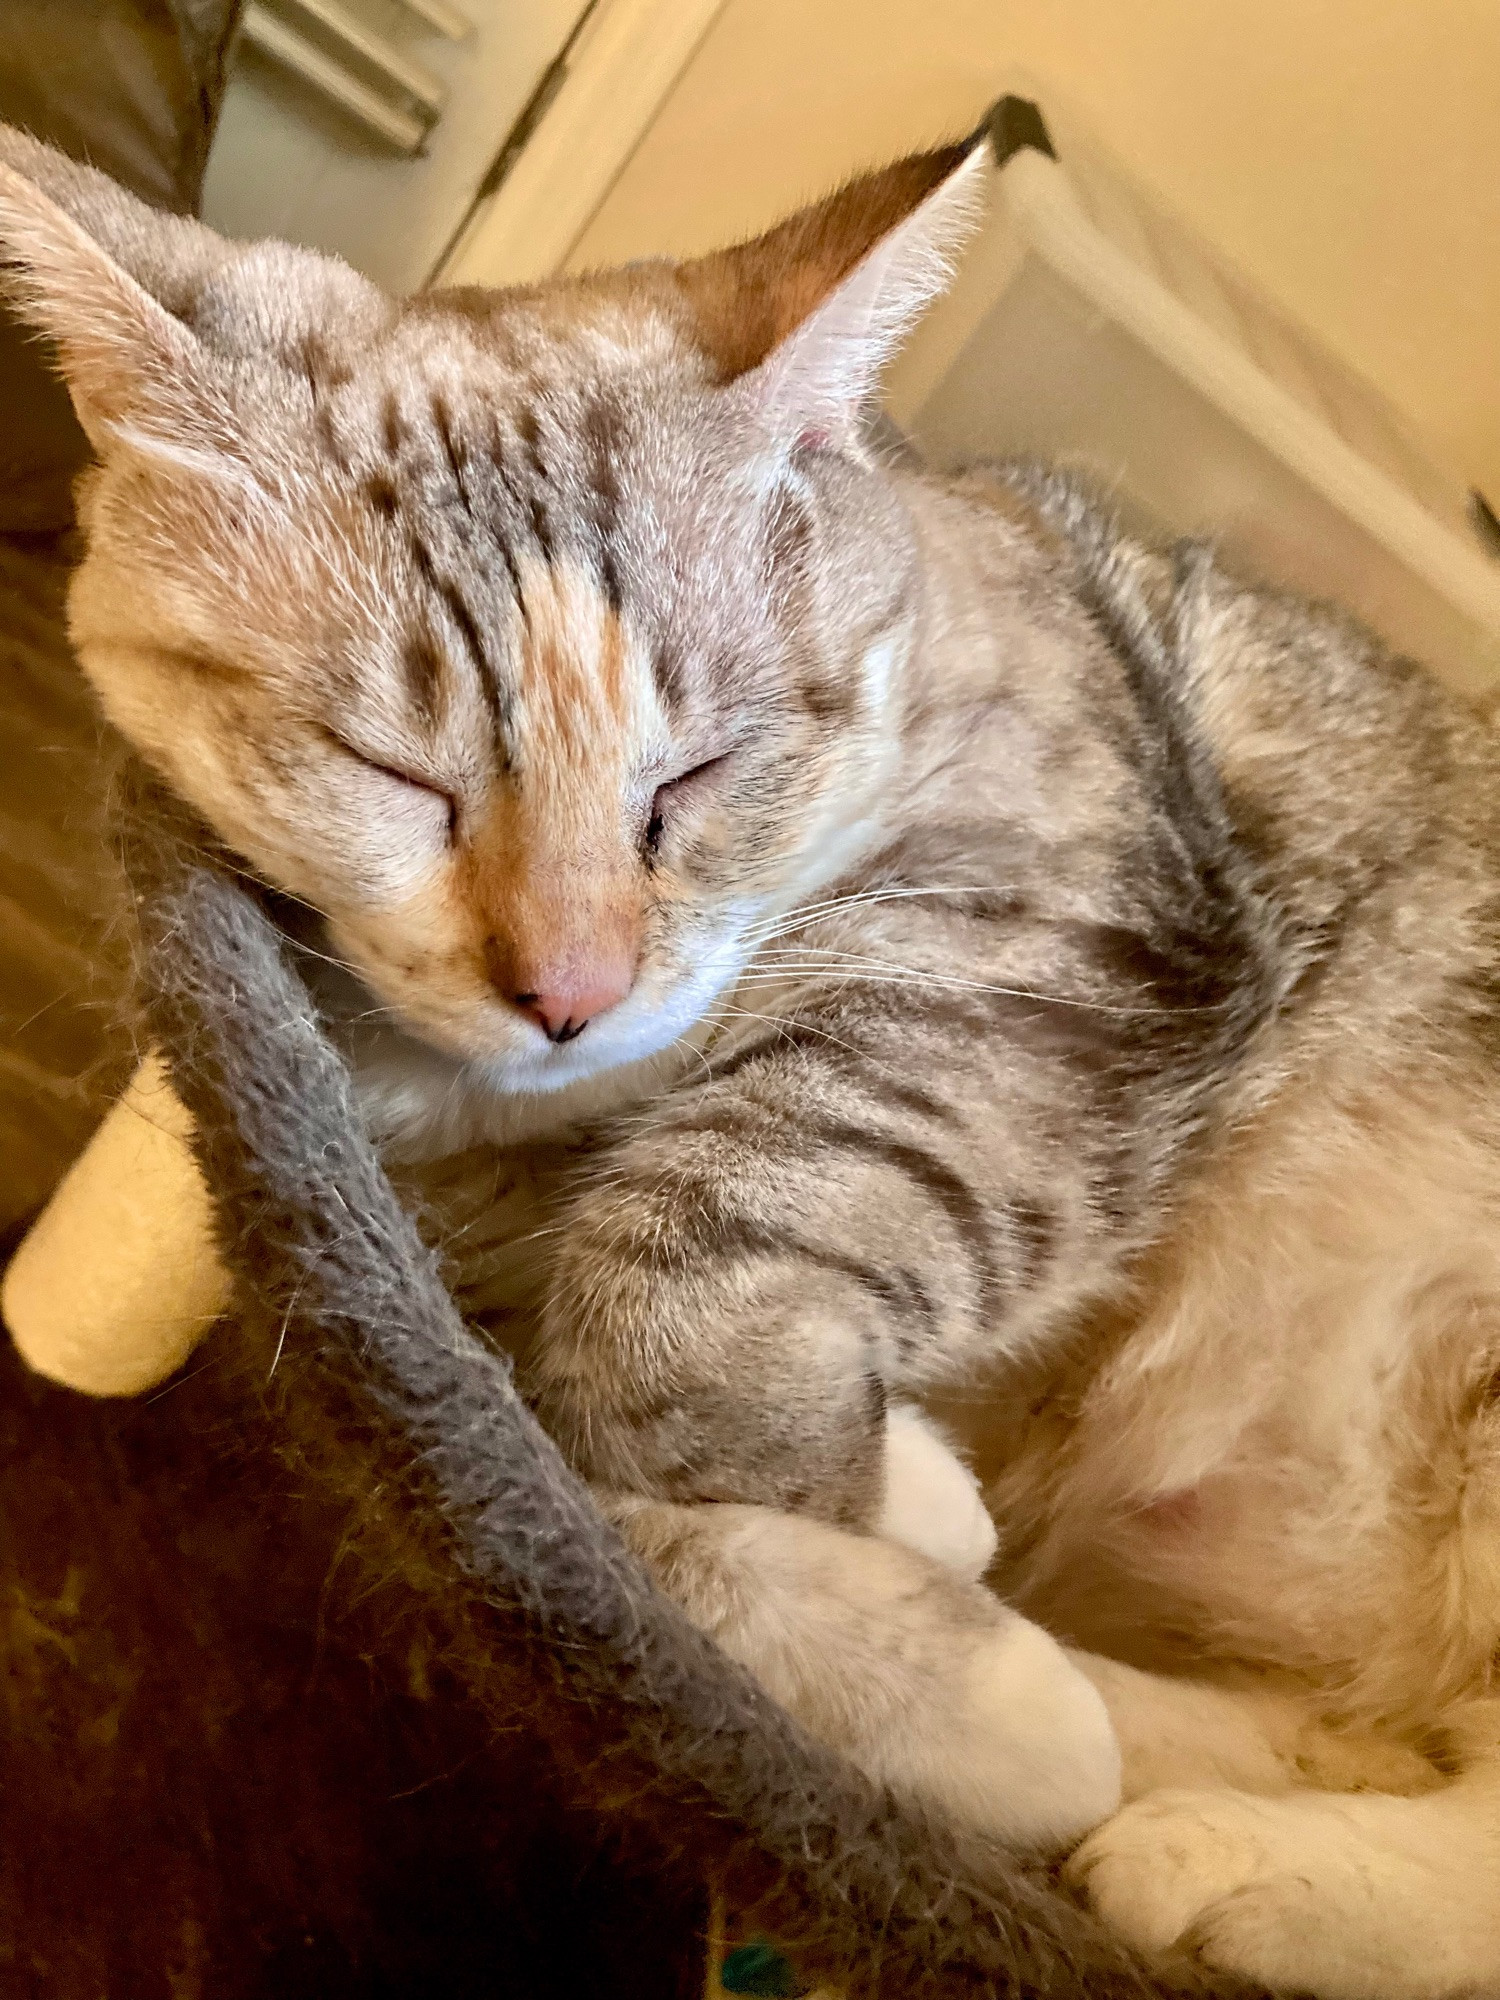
[132,86]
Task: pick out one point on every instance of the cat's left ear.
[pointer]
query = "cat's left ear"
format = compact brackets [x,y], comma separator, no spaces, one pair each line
[146,309]
[68,241]
[815,382]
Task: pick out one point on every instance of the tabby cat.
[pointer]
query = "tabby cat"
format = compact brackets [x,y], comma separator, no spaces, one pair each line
[895,947]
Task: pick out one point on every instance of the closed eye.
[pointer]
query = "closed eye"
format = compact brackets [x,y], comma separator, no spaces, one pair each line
[673,794]
[400,777]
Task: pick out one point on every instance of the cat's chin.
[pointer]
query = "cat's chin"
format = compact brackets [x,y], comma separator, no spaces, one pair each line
[628,1052]
[422,1101]
[555,1072]
[623,1056]
[423,1098]
[421,1104]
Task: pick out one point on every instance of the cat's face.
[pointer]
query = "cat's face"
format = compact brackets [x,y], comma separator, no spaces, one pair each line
[541,659]
[535,685]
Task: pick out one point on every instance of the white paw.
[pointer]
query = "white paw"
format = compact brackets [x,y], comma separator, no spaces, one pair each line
[934,1686]
[1020,1741]
[928,1683]
[1298,1892]
[932,1501]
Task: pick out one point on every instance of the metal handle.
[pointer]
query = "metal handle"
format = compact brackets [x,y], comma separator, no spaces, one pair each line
[351,35]
[440,15]
[276,38]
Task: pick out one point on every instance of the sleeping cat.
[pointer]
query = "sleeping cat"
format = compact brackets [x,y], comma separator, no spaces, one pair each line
[894,943]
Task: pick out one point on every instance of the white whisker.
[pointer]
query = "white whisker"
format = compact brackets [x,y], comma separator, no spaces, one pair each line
[807,913]
[854,965]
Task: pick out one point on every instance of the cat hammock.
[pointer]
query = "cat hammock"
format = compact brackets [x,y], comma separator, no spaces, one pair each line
[384,1399]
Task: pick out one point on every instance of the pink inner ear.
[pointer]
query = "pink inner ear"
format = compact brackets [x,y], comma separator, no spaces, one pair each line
[813,384]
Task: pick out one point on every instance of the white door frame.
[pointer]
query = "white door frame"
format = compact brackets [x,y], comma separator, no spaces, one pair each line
[627,59]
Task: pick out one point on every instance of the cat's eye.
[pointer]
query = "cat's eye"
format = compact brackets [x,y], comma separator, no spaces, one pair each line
[402,777]
[671,794]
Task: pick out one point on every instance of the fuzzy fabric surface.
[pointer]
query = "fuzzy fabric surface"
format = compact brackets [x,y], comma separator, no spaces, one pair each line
[134,87]
[468,1546]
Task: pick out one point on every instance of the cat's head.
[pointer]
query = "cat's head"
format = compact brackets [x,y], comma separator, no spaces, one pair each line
[542,640]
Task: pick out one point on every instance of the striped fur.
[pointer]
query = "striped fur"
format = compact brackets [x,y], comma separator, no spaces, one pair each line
[1062,993]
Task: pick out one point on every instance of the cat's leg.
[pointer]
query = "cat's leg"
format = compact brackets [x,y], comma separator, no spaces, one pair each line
[1349,1896]
[927,1683]
[738,1303]
[918,1674]
[745,1284]
[1258,1735]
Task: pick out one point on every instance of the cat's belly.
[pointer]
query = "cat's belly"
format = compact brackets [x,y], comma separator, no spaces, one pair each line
[1292,1457]
[1249,1564]
[1372,1569]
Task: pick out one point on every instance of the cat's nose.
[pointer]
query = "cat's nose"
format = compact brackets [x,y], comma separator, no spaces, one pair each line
[564,1015]
[562,991]
[564,1008]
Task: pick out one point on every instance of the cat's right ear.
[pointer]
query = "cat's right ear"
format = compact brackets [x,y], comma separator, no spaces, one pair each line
[99,272]
[802,320]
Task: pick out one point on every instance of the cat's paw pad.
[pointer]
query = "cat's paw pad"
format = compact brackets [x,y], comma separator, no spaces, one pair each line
[932,1501]
[1158,1867]
[1267,1890]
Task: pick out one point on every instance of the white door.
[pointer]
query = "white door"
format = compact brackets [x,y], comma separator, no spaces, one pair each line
[369,127]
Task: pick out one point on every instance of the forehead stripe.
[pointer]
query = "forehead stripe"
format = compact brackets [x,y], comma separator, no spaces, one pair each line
[442,424]
[601,426]
[422,658]
[499,527]
[497,694]
[541,529]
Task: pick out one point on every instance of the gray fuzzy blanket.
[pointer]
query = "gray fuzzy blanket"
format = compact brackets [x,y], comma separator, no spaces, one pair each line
[468,1522]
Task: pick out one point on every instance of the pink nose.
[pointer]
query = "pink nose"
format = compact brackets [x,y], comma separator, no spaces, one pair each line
[566,1010]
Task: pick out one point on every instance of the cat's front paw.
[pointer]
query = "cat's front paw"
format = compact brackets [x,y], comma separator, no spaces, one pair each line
[930,1685]
[1306,1894]
[932,1501]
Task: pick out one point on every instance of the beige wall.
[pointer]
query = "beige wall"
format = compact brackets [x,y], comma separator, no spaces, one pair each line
[1345,153]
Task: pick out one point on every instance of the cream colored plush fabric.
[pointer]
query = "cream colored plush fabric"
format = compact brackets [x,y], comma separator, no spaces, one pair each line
[119,1278]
